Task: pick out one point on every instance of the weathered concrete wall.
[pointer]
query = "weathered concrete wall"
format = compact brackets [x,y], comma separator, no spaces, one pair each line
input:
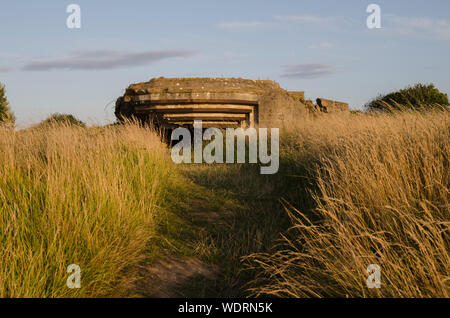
[297,95]
[176,109]
[331,106]
[279,110]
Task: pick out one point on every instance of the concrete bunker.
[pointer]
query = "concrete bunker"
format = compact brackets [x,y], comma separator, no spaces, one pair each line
[168,103]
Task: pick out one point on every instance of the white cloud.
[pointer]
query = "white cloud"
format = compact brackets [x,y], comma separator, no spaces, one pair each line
[325,21]
[333,21]
[303,18]
[419,26]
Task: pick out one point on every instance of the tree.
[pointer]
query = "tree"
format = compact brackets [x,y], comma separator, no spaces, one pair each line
[6,116]
[417,97]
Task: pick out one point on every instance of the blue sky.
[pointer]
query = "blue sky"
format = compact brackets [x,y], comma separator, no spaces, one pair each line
[321,47]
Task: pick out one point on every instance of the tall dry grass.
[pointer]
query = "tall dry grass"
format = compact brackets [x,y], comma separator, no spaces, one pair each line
[381,188]
[378,194]
[76,196]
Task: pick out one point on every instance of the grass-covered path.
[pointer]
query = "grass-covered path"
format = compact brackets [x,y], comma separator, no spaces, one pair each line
[215,217]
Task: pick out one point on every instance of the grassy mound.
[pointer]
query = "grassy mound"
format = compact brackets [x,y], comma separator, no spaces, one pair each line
[71,195]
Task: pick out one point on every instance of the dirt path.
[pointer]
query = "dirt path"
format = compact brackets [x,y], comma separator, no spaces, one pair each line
[173,274]
[217,216]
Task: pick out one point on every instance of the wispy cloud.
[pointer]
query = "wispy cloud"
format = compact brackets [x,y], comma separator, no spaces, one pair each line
[103,60]
[303,18]
[323,45]
[234,55]
[325,21]
[436,28]
[4,69]
[308,70]
[243,25]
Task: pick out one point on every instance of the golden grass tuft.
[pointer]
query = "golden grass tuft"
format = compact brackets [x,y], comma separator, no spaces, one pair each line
[382,197]
[81,196]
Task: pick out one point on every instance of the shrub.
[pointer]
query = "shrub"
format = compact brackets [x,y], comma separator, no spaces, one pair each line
[64,119]
[6,116]
[417,97]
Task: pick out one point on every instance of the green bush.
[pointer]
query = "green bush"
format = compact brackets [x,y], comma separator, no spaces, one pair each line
[417,97]
[6,116]
[65,119]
